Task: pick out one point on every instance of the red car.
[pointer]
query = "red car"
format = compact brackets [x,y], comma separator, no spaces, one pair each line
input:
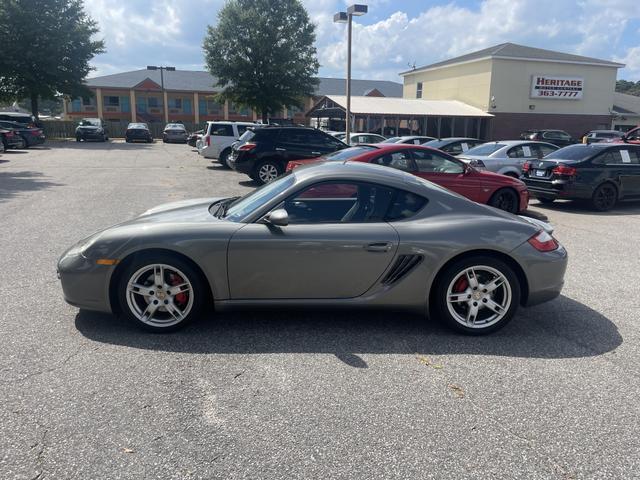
[632,136]
[500,191]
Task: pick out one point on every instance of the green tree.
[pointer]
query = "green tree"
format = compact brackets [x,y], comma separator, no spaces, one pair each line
[262,54]
[628,87]
[46,48]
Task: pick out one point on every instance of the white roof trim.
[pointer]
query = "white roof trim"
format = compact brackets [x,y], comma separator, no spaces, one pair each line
[408,107]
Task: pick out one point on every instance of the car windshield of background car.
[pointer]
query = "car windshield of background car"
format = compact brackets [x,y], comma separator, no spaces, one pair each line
[573,152]
[347,153]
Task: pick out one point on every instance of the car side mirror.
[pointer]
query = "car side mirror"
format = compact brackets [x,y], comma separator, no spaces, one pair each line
[278,218]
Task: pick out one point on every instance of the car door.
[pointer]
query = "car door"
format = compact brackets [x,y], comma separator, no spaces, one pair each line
[446,172]
[336,245]
[626,167]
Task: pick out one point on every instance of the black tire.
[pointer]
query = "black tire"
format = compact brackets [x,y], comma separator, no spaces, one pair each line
[512,175]
[450,277]
[604,197]
[191,275]
[150,140]
[260,171]
[78,139]
[164,140]
[505,199]
[224,158]
[127,140]
[545,201]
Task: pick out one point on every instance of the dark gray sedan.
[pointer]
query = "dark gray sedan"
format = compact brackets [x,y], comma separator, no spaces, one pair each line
[328,235]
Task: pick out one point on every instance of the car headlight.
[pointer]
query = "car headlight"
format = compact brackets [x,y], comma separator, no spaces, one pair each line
[81,247]
[100,130]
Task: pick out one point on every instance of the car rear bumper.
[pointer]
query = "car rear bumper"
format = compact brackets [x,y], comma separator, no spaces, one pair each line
[239,166]
[91,135]
[544,271]
[31,140]
[557,189]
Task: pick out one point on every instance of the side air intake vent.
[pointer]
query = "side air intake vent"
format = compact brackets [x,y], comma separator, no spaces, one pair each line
[401,268]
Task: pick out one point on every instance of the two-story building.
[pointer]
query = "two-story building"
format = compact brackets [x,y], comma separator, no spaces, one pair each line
[189,96]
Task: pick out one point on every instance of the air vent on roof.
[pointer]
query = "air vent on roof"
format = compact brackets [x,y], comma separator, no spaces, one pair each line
[404,264]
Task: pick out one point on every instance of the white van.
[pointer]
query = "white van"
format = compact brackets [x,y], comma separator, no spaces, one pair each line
[218,138]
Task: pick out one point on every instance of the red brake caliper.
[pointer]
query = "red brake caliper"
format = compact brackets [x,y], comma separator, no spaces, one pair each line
[461,285]
[177,280]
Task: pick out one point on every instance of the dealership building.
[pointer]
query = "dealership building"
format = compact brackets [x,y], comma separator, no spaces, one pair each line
[523,88]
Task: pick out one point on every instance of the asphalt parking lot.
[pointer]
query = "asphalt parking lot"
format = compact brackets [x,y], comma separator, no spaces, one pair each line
[300,394]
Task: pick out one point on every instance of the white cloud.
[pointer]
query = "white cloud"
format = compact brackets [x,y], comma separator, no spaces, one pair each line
[386,47]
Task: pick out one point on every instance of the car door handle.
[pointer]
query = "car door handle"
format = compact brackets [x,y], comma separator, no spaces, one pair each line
[281,149]
[378,247]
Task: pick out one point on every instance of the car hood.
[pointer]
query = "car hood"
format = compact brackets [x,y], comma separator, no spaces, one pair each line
[89,127]
[196,209]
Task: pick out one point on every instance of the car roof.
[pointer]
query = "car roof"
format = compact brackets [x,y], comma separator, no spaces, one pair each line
[229,122]
[511,143]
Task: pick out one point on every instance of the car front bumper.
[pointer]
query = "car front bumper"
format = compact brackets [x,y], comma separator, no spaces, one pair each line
[84,283]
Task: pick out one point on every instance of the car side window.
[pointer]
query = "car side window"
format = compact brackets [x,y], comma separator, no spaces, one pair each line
[546,150]
[300,137]
[400,160]
[454,148]
[516,152]
[339,202]
[430,162]
[242,129]
[405,205]
[221,130]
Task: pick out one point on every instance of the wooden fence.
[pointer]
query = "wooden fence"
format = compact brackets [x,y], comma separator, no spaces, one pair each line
[67,129]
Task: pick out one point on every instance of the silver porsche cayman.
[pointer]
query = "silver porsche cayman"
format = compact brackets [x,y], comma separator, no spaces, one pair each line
[333,234]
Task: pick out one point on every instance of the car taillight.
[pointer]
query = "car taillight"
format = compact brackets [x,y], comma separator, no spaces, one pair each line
[247,146]
[207,140]
[564,170]
[526,166]
[543,242]
[9,134]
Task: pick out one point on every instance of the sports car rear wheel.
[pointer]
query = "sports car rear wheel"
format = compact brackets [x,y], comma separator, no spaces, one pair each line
[478,295]
[161,293]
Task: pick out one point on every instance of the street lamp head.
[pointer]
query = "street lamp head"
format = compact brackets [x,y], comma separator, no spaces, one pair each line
[341,17]
[170,69]
[151,67]
[357,10]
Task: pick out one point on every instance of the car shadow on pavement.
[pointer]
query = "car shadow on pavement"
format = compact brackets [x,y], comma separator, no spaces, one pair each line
[563,328]
[98,145]
[14,183]
[629,207]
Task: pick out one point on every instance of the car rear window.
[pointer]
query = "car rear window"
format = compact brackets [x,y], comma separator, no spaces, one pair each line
[573,152]
[347,153]
[485,149]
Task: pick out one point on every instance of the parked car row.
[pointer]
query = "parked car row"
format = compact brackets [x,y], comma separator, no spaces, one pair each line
[500,173]
[20,135]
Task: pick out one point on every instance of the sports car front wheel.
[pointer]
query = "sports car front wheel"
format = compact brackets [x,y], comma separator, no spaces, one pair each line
[478,295]
[161,293]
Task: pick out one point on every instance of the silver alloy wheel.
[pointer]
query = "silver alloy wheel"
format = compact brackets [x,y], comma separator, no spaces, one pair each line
[159,295]
[479,296]
[267,172]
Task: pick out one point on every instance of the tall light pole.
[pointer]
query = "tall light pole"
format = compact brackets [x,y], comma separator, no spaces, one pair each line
[162,69]
[347,17]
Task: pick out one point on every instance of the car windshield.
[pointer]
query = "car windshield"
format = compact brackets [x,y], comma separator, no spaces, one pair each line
[391,140]
[174,126]
[90,122]
[573,152]
[485,149]
[347,153]
[138,125]
[247,204]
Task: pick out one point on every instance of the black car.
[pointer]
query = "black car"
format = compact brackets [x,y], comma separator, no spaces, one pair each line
[602,173]
[22,118]
[454,145]
[138,132]
[559,138]
[10,139]
[28,136]
[91,129]
[263,153]
[192,139]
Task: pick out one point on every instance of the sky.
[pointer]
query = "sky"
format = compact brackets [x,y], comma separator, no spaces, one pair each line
[391,38]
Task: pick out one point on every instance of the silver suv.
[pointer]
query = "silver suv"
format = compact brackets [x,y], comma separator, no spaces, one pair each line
[217,138]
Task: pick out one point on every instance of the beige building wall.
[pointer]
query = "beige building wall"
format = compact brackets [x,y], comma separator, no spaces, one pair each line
[511,87]
[468,82]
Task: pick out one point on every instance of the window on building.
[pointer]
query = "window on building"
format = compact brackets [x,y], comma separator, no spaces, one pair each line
[419,90]
[89,101]
[175,103]
[238,110]
[214,107]
[112,101]
[153,102]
